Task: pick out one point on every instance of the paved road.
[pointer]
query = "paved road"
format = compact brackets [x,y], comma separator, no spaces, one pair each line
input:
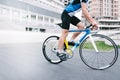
[24,61]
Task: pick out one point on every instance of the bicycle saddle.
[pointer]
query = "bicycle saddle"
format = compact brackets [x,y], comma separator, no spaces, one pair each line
[59,24]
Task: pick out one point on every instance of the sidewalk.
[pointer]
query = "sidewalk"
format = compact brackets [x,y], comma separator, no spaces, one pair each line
[7,36]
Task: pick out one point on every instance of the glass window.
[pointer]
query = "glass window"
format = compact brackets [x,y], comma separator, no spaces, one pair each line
[40,18]
[46,19]
[51,20]
[33,17]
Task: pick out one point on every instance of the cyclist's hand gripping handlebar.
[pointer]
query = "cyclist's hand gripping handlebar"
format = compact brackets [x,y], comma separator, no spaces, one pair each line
[94,29]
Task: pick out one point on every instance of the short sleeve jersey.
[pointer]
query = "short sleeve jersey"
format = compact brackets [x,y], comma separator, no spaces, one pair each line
[74,5]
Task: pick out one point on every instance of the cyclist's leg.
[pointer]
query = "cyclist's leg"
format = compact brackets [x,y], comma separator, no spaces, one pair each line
[77,22]
[60,51]
[66,19]
[65,28]
[62,39]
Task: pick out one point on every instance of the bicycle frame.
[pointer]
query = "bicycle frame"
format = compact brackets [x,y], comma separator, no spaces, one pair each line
[87,33]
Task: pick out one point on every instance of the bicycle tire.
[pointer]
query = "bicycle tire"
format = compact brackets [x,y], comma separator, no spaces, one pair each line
[105,58]
[49,44]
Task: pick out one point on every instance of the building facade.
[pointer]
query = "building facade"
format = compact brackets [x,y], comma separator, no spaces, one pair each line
[107,13]
[34,14]
[45,14]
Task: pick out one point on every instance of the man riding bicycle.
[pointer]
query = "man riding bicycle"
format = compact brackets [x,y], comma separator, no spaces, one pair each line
[67,18]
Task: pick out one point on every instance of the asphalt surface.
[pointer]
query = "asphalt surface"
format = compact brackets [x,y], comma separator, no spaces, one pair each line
[25,61]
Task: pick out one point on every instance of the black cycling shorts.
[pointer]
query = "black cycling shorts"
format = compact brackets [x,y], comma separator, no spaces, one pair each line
[66,20]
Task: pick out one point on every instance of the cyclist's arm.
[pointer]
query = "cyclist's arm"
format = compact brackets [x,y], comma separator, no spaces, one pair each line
[86,14]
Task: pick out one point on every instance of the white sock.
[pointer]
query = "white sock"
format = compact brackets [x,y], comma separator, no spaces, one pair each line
[61,51]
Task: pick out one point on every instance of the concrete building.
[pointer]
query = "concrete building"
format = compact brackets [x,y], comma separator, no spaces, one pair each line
[107,12]
[36,14]
[33,14]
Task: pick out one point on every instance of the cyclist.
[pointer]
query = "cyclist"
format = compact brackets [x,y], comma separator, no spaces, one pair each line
[67,18]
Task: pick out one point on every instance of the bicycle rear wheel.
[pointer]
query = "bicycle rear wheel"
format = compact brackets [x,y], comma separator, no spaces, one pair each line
[48,47]
[105,57]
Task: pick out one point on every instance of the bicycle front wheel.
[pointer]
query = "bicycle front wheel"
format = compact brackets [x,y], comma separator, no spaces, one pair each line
[105,54]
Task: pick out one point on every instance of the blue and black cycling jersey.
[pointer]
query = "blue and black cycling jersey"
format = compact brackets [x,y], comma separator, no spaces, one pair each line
[74,5]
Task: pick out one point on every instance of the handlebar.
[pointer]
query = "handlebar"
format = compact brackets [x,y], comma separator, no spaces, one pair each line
[89,26]
[93,30]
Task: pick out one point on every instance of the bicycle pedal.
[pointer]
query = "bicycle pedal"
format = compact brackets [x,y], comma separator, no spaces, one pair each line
[62,56]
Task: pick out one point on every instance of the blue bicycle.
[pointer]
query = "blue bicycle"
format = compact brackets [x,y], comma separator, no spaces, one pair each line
[97,51]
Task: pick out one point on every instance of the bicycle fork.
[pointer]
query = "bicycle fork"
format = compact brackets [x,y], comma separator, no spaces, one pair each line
[93,43]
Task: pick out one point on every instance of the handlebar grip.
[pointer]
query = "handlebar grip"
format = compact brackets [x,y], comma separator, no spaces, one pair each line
[89,26]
